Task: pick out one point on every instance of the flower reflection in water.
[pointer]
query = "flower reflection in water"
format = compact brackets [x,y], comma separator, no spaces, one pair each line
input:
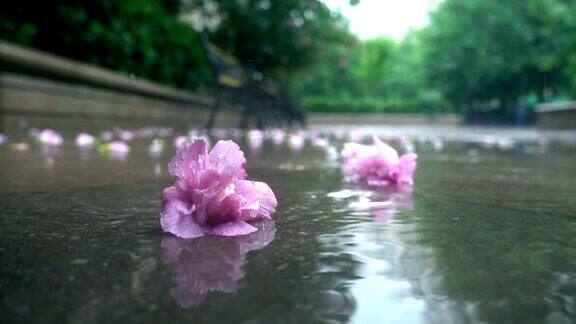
[382,202]
[382,292]
[398,199]
[210,263]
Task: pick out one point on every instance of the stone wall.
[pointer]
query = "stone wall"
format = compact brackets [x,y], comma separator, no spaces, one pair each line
[41,85]
[561,115]
[375,119]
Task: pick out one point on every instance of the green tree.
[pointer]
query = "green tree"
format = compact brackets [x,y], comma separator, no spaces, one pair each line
[499,51]
[139,37]
[556,40]
[271,36]
[474,55]
[374,65]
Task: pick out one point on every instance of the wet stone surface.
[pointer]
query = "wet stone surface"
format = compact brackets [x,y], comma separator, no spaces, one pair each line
[485,235]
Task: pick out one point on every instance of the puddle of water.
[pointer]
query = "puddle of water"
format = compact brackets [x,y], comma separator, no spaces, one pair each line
[485,235]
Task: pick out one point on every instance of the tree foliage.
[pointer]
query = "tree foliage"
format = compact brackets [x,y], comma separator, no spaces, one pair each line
[153,38]
[473,55]
[139,37]
[478,51]
[272,35]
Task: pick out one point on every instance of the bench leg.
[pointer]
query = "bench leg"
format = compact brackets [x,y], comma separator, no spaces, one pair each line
[246,114]
[214,113]
[260,121]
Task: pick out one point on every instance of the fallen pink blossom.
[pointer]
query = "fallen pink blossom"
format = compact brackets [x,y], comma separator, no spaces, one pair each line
[278,137]
[179,141]
[211,195]
[119,147]
[84,140]
[255,139]
[117,150]
[50,137]
[296,141]
[378,164]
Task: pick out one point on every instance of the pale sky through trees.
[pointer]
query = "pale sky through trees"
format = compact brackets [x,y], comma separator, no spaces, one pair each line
[393,18]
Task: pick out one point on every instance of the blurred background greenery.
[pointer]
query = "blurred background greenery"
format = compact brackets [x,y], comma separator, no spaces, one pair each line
[488,59]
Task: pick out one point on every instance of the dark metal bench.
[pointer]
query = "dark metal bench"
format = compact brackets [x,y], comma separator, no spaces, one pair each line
[263,99]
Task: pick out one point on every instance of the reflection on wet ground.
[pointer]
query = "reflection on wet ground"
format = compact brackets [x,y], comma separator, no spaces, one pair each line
[210,264]
[485,235]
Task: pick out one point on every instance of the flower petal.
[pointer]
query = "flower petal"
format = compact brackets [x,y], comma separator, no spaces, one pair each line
[227,158]
[257,199]
[234,228]
[170,192]
[176,217]
[354,150]
[223,211]
[189,159]
[407,168]
[388,153]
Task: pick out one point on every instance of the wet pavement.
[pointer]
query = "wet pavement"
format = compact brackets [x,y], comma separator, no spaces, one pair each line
[486,234]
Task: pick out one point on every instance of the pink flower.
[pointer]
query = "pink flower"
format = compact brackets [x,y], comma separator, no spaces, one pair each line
[278,137]
[119,147]
[3,138]
[84,140]
[210,263]
[255,139]
[179,141]
[296,141]
[117,150]
[50,137]
[378,164]
[211,195]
